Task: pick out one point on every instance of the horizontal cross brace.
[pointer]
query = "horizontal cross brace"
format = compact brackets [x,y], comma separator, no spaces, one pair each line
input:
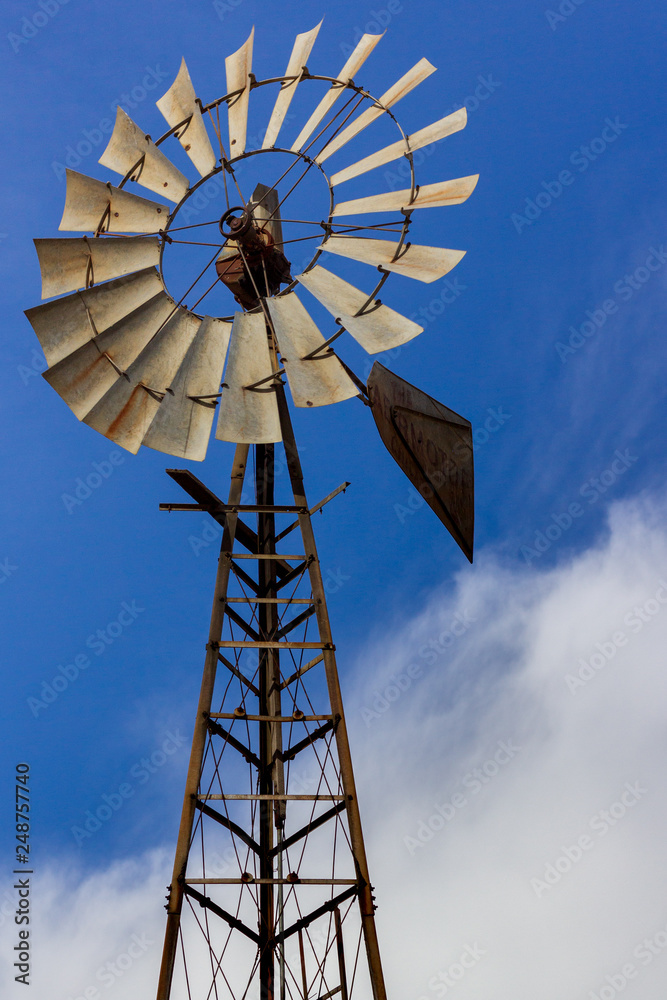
[264,555]
[270,718]
[271,881]
[269,600]
[225,508]
[278,798]
[270,644]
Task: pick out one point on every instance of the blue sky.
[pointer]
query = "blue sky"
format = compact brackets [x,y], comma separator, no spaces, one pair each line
[549,338]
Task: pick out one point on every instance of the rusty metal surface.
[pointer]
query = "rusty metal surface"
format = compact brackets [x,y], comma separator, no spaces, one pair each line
[295,67]
[438,195]
[68,264]
[421,263]
[62,326]
[432,133]
[248,415]
[349,70]
[400,89]
[83,377]
[126,411]
[318,381]
[182,425]
[92,205]
[433,446]
[129,148]
[238,67]
[178,104]
[378,329]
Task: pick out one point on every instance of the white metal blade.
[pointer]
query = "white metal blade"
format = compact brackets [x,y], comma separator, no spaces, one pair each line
[295,67]
[129,146]
[247,415]
[182,425]
[422,263]
[83,378]
[429,196]
[126,411]
[69,264]
[92,205]
[355,62]
[238,68]
[180,103]
[62,326]
[317,381]
[378,330]
[432,133]
[408,82]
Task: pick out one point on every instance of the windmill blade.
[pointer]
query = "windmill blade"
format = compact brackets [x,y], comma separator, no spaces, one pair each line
[93,206]
[295,67]
[408,82]
[378,329]
[432,133]
[238,68]
[126,411]
[452,192]
[79,263]
[130,148]
[66,324]
[86,375]
[248,415]
[182,424]
[421,263]
[433,446]
[354,63]
[179,104]
[315,381]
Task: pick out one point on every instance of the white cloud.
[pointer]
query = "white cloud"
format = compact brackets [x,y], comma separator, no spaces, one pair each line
[521,764]
[477,876]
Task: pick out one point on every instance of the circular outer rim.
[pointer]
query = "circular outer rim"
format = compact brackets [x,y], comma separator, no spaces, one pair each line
[350,85]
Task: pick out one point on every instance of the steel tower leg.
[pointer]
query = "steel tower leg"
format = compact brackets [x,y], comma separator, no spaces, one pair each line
[285,907]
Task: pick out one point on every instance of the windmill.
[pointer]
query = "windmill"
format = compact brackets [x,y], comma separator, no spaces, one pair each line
[271,889]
